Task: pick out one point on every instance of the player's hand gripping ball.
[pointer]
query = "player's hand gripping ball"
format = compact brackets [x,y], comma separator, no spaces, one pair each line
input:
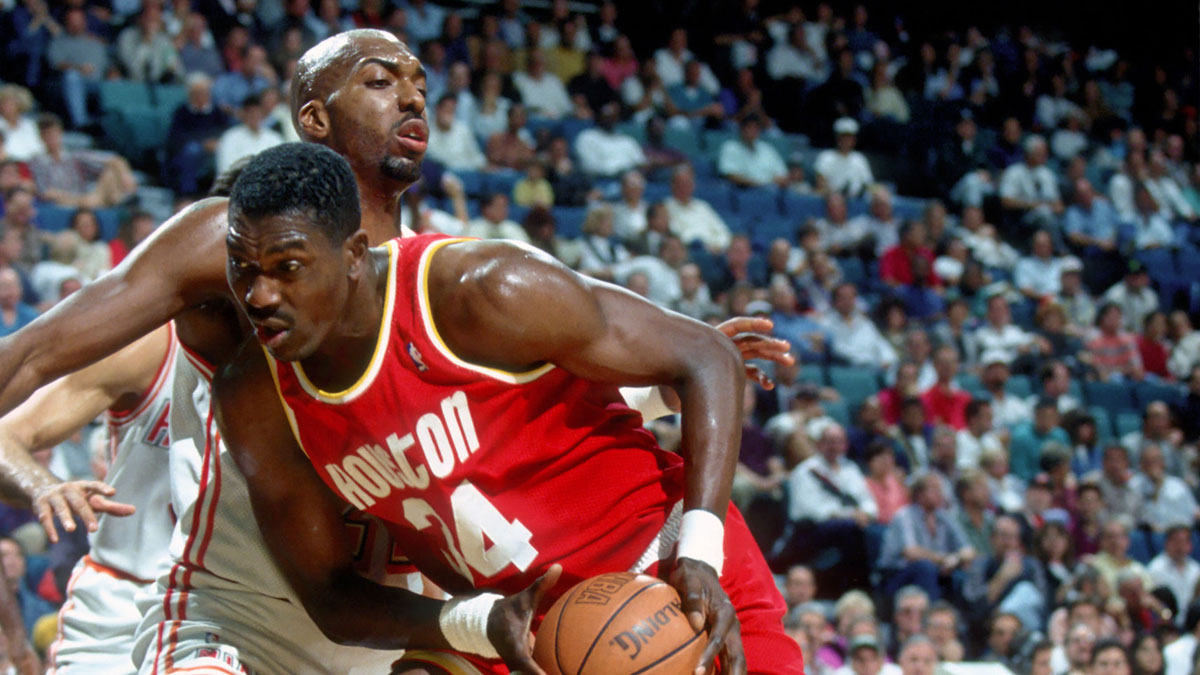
[618,624]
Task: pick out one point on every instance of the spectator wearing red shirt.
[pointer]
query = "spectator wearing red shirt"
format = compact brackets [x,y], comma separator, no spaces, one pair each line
[895,267]
[944,402]
[1151,347]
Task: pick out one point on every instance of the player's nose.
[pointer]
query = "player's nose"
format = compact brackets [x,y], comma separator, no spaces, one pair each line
[262,294]
[410,99]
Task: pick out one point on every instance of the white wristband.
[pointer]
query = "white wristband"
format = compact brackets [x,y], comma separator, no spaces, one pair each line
[464,622]
[702,537]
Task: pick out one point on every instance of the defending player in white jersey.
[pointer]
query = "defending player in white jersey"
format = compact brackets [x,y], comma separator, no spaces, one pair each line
[132,389]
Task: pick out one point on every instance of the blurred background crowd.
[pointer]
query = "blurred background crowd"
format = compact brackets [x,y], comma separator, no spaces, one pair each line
[977,227]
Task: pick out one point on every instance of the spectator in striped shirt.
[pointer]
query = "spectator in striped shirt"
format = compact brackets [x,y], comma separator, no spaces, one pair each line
[1113,351]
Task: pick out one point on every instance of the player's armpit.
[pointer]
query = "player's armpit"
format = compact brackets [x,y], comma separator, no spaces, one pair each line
[181,265]
[301,521]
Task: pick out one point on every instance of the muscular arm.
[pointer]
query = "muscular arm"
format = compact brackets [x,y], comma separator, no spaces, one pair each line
[300,519]
[180,266]
[57,411]
[513,308]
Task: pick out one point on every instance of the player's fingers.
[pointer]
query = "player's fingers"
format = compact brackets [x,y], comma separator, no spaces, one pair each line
[80,505]
[724,620]
[545,583]
[695,604]
[745,324]
[63,511]
[110,507]
[527,666]
[758,375]
[45,516]
[98,487]
[733,657]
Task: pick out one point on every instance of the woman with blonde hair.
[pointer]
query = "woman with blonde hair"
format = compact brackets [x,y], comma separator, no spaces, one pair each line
[21,138]
[601,251]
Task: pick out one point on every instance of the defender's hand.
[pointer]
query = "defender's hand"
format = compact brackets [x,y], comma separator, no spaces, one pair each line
[80,497]
[753,339]
[509,624]
[707,606]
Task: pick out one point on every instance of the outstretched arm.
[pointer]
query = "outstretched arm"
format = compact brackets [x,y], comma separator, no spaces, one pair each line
[57,411]
[513,308]
[181,265]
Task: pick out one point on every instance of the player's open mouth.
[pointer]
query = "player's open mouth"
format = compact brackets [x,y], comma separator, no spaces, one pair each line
[414,135]
[270,337]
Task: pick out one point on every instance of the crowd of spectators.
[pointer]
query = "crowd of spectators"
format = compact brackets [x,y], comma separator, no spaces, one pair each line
[981,244]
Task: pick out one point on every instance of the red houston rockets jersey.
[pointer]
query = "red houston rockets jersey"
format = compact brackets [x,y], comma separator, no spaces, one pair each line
[484,477]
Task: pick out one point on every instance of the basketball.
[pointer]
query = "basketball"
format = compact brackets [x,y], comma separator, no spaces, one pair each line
[618,624]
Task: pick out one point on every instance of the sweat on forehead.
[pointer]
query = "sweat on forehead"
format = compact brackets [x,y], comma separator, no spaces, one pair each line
[329,59]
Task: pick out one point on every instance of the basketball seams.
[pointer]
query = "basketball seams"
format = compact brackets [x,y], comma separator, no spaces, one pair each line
[615,613]
[669,654]
[562,609]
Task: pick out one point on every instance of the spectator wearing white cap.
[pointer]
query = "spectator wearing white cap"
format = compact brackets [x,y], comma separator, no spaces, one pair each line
[844,169]
[1074,298]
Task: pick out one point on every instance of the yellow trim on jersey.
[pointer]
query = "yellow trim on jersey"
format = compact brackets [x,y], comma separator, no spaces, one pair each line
[287,409]
[451,663]
[385,333]
[508,376]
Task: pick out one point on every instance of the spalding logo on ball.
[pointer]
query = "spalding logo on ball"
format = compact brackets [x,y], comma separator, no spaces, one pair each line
[618,624]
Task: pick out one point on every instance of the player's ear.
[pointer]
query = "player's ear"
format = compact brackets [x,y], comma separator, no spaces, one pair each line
[357,249]
[313,121]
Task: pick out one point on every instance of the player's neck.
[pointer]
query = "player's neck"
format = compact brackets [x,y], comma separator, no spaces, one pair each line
[380,205]
[345,354]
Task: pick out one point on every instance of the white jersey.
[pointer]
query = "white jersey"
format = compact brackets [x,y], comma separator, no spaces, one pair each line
[97,623]
[138,443]
[223,599]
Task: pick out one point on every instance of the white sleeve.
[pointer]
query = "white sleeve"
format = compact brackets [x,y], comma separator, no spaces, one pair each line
[1009,189]
[646,400]
[727,160]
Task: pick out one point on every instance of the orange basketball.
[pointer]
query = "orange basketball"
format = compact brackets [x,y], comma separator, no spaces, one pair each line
[618,624]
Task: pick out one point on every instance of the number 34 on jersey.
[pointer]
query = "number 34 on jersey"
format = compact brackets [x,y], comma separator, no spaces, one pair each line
[445,438]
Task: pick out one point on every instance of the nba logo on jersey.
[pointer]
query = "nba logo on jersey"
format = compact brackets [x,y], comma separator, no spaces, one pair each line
[416,357]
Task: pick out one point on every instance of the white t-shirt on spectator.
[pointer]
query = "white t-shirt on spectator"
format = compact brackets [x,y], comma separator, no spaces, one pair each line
[1008,340]
[1041,277]
[849,173]
[670,70]
[241,141]
[811,501]
[607,153]
[545,96]
[1182,582]
[970,448]
[22,141]
[858,341]
[486,229]
[1030,185]
[697,221]
[760,164]
[784,60]
[456,147]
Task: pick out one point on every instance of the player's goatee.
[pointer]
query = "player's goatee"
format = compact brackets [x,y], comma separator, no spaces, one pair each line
[401,168]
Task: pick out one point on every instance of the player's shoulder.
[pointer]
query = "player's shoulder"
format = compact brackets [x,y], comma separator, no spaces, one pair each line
[470,265]
[190,242]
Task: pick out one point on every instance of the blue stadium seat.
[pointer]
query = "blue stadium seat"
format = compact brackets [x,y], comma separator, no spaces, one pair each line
[838,410]
[1104,428]
[802,208]
[474,182]
[538,124]
[119,94]
[169,96]
[1139,547]
[717,192]
[1112,396]
[656,192]
[1147,392]
[1127,423]
[568,220]
[1159,263]
[503,181]
[857,207]
[1019,385]
[685,140]
[758,202]
[853,270]
[854,384]
[970,383]
[907,208]
[812,373]
[517,213]
[52,217]
[571,127]
[633,130]
[766,230]
[714,138]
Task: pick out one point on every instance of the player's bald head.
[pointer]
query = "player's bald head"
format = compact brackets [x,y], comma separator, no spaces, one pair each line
[322,69]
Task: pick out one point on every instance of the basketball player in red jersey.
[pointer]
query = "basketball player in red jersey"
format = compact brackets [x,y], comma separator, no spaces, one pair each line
[465,393]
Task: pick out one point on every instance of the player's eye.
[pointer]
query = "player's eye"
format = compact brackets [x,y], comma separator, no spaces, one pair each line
[290,266]
[378,84]
[240,265]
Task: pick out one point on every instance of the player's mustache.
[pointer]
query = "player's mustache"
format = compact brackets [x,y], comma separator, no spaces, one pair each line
[275,318]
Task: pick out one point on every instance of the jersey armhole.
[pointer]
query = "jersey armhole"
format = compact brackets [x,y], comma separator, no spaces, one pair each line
[118,416]
[435,338]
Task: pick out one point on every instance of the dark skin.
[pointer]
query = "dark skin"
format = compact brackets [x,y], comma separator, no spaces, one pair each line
[496,305]
[366,89]
[19,651]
